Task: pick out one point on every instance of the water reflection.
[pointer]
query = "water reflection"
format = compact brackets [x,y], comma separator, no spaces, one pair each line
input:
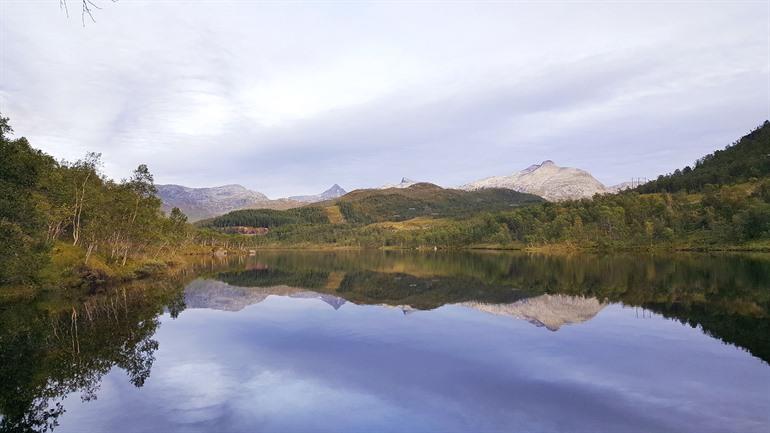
[298,341]
[53,346]
[726,295]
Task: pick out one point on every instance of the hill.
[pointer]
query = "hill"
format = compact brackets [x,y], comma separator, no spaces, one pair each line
[424,199]
[269,218]
[739,162]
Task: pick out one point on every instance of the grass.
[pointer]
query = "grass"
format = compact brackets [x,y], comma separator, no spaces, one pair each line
[418,223]
[67,267]
[334,214]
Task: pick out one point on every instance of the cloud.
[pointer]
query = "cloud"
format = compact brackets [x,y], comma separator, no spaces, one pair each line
[288,99]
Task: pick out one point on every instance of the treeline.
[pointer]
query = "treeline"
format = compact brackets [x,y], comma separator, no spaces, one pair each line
[724,216]
[44,202]
[267,218]
[745,159]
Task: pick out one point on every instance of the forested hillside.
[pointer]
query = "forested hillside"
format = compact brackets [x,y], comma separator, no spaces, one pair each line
[742,161]
[71,207]
[425,200]
[268,218]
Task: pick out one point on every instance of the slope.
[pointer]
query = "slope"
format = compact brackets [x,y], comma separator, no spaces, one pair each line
[745,159]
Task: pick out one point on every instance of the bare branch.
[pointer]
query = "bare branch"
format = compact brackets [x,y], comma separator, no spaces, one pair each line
[86,9]
[63,5]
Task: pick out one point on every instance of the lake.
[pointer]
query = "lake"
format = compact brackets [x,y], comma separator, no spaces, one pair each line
[400,341]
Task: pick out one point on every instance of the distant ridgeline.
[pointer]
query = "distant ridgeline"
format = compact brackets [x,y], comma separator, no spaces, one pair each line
[724,202]
[378,205]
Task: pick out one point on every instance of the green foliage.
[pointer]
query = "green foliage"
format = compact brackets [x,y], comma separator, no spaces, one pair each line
[747,158]
[270,277]
[43,201]
[53,347]
[22,220]
[268,218]
[721,216]
[424,199]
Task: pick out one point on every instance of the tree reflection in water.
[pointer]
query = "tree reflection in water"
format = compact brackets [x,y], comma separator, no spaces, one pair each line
[50,348]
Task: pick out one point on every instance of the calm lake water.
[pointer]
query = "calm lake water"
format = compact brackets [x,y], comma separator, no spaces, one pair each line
[393,341]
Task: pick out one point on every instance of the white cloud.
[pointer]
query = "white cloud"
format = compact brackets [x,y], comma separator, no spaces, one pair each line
[264,94]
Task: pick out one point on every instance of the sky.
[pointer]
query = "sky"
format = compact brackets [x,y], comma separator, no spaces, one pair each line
[290,98]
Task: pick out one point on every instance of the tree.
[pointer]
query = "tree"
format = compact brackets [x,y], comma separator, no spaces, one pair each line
[5,128]
[85,177]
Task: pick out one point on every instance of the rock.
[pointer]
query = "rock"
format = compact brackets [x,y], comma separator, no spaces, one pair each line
[546,180]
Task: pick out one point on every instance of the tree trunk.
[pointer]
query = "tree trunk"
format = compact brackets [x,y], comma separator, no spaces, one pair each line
[79,210]
[91,247]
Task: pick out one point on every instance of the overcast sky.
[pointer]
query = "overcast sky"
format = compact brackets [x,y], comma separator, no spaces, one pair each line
[291,98]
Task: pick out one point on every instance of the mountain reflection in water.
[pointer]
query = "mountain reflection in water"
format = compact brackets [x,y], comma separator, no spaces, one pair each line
[312,311]
[549,311]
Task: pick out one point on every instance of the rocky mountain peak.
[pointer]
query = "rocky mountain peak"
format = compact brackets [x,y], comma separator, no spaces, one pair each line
[547,180]
[333,192]
[405,183]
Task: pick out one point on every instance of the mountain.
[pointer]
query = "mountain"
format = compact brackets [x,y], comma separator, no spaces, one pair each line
[546,180]
[201,203]
[405,183]
[333,192]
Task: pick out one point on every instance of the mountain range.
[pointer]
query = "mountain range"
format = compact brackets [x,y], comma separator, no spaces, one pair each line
[548,311]
[202,203]
[546,180]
